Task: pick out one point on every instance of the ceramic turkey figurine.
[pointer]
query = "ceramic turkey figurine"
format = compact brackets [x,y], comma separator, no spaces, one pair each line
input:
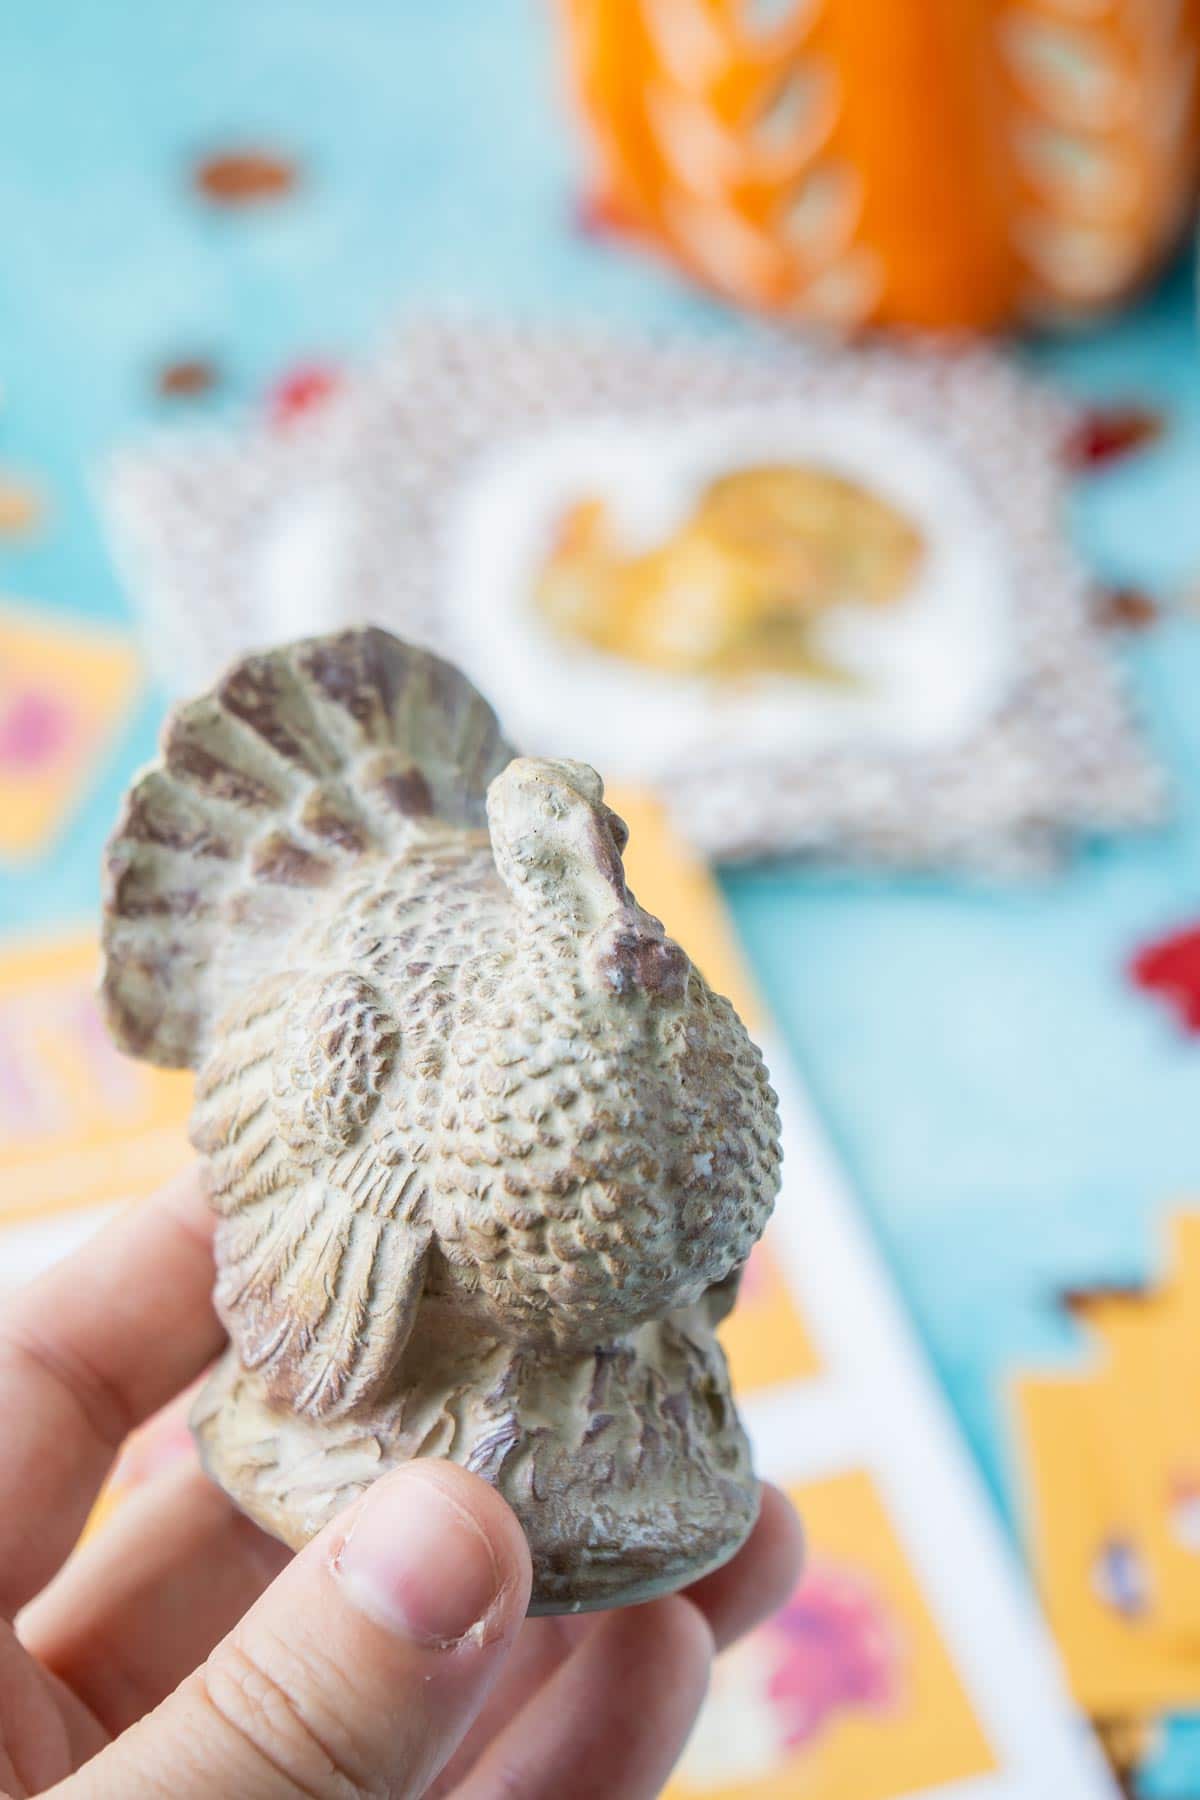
[487,1154]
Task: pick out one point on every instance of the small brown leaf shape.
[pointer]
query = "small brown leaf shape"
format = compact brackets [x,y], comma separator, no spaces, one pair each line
[1127,609]
[21,506]
[245,177]
[187,378]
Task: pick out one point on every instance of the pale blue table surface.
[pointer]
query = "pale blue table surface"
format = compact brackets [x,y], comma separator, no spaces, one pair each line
[1014,1118]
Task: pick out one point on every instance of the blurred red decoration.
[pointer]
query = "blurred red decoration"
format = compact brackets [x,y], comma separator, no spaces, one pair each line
[245,177]
[301,391]
[1108,433]
[1170,968]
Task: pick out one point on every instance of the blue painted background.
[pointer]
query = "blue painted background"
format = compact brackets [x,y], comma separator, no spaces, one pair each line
[1013,1117]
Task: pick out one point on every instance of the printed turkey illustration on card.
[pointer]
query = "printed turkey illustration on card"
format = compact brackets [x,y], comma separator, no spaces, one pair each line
[795,583]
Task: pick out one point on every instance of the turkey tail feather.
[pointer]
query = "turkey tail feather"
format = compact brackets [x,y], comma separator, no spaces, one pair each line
[301,763]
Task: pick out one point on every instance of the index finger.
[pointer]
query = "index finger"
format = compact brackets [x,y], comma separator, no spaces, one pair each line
[87,1352]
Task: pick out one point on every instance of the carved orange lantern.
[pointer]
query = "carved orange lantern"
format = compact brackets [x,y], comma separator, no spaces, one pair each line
[924,162]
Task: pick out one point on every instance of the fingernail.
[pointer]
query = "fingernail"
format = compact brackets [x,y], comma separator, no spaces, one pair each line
[417,1562]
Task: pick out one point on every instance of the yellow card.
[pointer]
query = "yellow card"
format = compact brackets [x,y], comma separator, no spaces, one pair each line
[764,1337]
[1172,1470]
[849,1693]
[64,688]
[80,1124]
[1148,1406]
[1125,1423]
[1091,1563]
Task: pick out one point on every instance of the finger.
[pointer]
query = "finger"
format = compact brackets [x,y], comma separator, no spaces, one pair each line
[615,1717]
[45,1731]
[87,1352]
[543,1646]
[756,1582]
[358,1671]
[141,1605]
[734,1599]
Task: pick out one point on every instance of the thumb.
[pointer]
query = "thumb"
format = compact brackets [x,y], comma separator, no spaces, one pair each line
[359,1670]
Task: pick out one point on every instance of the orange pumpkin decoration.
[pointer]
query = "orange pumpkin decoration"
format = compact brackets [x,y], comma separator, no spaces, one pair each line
[922,162]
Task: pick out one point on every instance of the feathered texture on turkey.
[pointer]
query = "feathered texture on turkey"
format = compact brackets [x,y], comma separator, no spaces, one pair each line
[454,1084]
[572,1157]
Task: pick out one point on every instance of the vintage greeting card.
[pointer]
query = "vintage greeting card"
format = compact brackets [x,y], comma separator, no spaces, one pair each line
[819,602]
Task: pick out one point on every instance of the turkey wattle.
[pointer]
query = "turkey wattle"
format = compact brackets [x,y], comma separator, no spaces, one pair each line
[487,1153]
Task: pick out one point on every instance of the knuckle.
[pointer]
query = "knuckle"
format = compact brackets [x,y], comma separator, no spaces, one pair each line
[299,1739]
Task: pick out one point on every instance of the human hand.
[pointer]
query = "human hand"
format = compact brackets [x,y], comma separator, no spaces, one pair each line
[183,1653]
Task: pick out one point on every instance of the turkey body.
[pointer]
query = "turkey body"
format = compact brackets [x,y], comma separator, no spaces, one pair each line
[487,1153]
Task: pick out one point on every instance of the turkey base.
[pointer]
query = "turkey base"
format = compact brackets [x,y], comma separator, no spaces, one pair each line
[627,1465]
